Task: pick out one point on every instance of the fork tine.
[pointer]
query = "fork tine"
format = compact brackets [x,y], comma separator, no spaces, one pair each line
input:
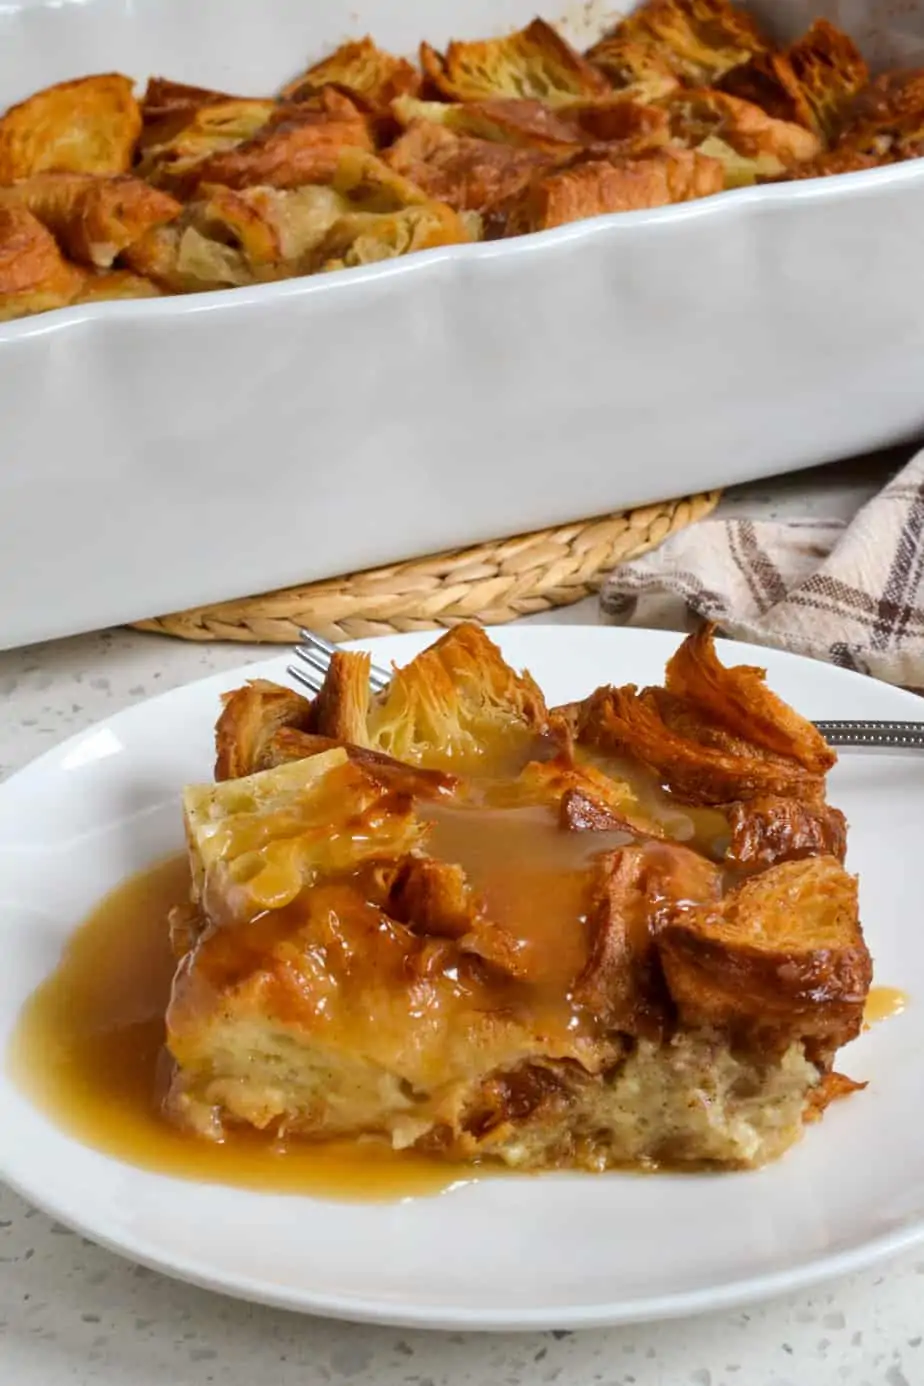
[317,641]
[313,658]
[378,677]
[308,679]
[319,659]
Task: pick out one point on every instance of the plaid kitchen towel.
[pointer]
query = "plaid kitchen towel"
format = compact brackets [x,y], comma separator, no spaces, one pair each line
[850,593]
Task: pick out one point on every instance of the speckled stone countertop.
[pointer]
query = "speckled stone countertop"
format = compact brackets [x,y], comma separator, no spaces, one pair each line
[72,1313]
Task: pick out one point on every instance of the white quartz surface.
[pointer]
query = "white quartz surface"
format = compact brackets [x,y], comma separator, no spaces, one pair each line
[72,1313]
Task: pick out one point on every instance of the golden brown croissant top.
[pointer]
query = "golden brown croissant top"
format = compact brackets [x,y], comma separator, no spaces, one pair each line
[192,189]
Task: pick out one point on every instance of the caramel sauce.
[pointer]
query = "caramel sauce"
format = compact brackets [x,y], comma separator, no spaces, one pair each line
[89,1047]
[88,1050]
[532,877]
[705,830]
[882,1003]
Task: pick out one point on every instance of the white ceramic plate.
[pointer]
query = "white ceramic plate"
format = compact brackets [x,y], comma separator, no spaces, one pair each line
[550,1251]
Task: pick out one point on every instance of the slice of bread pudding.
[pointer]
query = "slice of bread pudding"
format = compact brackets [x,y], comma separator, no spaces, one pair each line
[448,918]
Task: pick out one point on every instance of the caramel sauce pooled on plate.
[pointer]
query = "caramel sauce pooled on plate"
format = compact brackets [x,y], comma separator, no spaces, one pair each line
[89,1046]
[882,1003]
[88,1050]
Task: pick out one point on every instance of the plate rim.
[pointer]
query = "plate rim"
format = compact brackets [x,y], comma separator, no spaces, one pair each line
[614,1314]
[361,1309]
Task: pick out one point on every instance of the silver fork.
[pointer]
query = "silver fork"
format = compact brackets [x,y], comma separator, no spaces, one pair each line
[314,659]
[315,656]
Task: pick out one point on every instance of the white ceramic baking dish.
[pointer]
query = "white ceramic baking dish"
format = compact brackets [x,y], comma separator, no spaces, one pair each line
[171,452]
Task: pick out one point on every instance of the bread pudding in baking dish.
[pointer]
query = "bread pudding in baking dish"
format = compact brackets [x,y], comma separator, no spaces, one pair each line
[450,919]
[367,156]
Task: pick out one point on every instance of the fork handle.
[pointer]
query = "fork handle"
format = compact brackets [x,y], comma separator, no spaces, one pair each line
[873,733]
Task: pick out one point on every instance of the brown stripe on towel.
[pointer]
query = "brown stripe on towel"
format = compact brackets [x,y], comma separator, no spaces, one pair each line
[851,594]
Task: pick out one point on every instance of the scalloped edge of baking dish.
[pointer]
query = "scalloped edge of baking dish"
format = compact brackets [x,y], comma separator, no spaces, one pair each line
[719,207]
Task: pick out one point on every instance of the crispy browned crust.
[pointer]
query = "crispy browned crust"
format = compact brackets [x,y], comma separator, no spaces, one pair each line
[290,743]
[886,120]
[108,285]
[620,184]
[264,725]
[431,897]
[250,718]
[618,125]
[533,62]
[341,709]
[164,97]
[557,132]
[635,892]
[434,900]
[671,740]
[621,980]
[698,40]
[34,275]
[458,689]
[832,1088]
[86,126]
[835,161]
[781,957]
[812,82]
[193,128]
[518,124]
[719,743]
[830,71]
[458,692]
[362,69]
[770,829]
[738,698]
[634,69]
[777,145]
[300,143]
[467,174]
[767,81]
[94,219]
[890,97]
[169,108]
